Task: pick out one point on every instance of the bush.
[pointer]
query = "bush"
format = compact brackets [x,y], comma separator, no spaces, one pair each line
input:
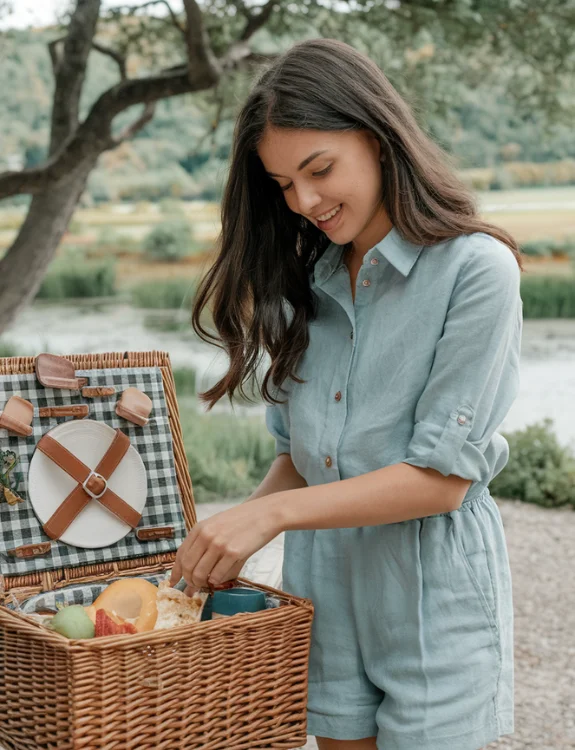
[8,349]
[170,207]
[548,296]
[549,247]
[164,295]
[228,455]
[538,248]
[539,470]
[185,380]
[170,240]
[73,278]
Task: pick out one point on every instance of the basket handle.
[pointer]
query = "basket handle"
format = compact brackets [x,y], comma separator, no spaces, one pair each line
[92,484]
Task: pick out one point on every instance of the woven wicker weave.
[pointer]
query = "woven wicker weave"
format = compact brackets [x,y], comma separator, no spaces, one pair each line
[229,684]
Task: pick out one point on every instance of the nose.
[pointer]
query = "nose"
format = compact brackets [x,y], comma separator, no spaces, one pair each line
[307,199]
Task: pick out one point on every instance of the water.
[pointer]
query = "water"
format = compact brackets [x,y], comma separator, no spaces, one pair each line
[547,356]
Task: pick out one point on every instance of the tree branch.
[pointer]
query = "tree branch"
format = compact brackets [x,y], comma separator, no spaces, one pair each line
[131,130]
[256,22]
[239,51]
[197,40]
[116,56]
[119,59]
[95,133]
[70,71]
[132,9]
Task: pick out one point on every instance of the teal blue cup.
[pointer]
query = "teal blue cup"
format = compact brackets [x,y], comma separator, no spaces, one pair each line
[233,601]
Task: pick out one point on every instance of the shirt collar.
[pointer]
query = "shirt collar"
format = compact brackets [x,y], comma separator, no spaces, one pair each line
[398,251]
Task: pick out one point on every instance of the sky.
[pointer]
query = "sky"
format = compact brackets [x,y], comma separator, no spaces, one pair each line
[44,12]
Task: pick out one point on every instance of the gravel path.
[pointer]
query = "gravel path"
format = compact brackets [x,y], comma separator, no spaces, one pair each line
[541,545]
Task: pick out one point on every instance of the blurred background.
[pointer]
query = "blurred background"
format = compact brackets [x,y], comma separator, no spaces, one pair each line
[116,121]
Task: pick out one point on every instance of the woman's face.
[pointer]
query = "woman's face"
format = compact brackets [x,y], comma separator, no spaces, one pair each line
[322,172]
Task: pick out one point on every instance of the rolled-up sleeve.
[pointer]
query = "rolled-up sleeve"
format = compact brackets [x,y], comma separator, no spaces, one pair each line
[475,374]
[277,422]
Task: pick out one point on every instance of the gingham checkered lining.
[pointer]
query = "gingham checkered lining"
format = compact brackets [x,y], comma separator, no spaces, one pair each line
[18,523]
[87,594]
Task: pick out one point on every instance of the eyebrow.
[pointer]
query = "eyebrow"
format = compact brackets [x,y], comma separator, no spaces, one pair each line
[304,163]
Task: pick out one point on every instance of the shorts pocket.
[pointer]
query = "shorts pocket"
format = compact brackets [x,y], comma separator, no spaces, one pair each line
[469,543]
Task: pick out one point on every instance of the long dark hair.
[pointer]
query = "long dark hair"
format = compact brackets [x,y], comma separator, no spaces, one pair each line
[266,252]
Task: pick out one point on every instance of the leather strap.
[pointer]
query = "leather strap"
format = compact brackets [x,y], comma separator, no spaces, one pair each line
[31,550]
[91,484]
[14,425]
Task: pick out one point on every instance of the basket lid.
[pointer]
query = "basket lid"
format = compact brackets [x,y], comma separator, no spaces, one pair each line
[148,478]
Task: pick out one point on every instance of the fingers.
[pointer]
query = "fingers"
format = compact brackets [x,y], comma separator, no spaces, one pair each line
[224,571]
[197,574]
[177,570]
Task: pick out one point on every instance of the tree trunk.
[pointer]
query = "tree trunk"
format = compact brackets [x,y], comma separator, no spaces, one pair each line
[24,266]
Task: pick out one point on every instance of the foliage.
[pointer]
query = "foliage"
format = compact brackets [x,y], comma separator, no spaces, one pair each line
[548,296]
[170,240]
[228,455]
[172,294]
[549,247]
[185,380]
[75,278]
[539,469]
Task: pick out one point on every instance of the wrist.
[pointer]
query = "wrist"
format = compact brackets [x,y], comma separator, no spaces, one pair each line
[277,506]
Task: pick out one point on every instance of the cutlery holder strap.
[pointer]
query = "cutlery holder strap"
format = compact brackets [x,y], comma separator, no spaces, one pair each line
[92,484]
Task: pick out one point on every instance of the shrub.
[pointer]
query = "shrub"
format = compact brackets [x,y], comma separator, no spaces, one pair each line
[185,380]
[539,469]
[73,278]
[540,248]
[170,294]
[548,296]
[170,240]
[228,455]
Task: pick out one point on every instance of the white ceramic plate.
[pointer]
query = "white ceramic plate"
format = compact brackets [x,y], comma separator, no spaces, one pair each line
[49,485]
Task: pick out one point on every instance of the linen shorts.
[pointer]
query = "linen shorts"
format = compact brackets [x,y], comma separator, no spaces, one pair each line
[412,639]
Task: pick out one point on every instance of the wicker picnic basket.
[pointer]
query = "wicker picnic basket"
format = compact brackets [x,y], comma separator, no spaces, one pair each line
[232,683]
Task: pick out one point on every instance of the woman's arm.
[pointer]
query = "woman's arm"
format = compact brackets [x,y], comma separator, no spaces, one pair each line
[281,476]
[395,493]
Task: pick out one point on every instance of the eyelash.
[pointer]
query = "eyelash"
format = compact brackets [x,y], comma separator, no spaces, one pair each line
[323,172]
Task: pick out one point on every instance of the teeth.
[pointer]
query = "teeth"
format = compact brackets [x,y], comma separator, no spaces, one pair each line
[327,216]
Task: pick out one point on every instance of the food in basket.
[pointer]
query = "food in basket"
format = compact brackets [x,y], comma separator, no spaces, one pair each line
[72,622]
[176,608]
[131,605]
[106,624]
[133,600]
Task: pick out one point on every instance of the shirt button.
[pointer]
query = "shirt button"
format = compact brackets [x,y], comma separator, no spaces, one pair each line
[366,282]
[328,461]
[351,335]
[338,396]
[462,419]
[374,261]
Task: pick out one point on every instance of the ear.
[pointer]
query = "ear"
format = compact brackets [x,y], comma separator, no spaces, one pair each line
[377,145]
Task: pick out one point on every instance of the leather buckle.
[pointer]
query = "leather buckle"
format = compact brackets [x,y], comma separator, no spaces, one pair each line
[88,491]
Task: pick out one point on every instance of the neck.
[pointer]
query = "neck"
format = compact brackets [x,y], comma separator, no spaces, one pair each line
[378,227]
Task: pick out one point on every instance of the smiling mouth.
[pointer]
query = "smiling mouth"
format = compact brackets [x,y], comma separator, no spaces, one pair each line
[329,214]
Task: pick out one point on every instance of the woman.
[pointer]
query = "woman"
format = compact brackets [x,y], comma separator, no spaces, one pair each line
[352,254]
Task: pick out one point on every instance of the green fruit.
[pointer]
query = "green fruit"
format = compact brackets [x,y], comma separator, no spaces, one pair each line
[73,622]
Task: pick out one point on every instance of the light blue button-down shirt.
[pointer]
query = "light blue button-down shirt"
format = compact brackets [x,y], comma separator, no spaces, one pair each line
[421,368]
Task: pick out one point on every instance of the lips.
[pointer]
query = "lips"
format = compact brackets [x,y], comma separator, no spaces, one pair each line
[333,222]
[326,212]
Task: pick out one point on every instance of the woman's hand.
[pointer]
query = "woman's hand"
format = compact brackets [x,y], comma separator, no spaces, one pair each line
[216,549]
